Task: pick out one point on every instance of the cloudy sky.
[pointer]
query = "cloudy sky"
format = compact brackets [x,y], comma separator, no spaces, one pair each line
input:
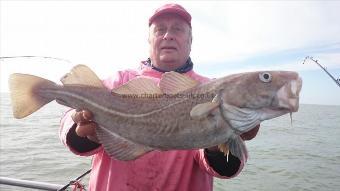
[229,37]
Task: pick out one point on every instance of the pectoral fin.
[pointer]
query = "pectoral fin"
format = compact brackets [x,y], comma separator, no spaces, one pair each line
[120,148]
[203,110]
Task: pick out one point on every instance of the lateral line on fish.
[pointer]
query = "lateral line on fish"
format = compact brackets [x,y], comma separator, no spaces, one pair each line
[117,112]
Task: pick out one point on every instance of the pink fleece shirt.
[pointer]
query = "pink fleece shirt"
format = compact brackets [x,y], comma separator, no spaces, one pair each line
[157,170]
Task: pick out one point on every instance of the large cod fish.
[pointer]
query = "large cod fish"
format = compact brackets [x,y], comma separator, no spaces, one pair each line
[178,113]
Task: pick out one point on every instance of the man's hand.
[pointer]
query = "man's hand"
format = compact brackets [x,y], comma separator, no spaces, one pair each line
[250,134]
[85,125]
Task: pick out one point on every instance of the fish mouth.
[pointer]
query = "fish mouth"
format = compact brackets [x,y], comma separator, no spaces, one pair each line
[288,96]
[285,101]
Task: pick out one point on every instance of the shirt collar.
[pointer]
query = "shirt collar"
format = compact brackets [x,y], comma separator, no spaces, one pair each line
[183,69]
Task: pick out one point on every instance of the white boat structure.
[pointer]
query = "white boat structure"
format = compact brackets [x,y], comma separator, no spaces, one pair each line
[29,184]
[36,185]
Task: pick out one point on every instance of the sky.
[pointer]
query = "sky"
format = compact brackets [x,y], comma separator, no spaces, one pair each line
[228,37]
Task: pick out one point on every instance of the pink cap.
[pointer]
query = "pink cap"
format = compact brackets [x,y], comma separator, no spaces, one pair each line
[171,8]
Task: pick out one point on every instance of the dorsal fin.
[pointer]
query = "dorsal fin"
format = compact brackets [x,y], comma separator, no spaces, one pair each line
[138,86]
[81,75]
[173,82]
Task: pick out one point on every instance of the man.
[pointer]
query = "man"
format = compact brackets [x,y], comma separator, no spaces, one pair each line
[170,41]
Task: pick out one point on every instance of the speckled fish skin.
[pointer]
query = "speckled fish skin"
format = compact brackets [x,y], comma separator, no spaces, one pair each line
[165,122]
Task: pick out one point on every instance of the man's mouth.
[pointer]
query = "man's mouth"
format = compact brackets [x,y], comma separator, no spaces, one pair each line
[168,48]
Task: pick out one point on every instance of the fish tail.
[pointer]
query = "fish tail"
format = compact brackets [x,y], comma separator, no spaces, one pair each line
[237,148]
[23,92]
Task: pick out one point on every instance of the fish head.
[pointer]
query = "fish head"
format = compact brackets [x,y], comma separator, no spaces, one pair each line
[264,89]
[244,100]
[249,98]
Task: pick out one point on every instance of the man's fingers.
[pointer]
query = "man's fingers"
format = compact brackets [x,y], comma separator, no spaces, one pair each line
[250,134]
[82,116]
[86,129]
[87,115]
[77,117]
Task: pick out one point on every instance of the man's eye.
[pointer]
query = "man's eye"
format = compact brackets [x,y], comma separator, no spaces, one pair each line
[160,30]
[178,29]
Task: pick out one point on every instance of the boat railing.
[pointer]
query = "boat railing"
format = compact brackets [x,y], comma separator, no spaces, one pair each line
[30,184]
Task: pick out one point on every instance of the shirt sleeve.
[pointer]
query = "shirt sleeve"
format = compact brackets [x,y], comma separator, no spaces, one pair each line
[217,165]
[76,144]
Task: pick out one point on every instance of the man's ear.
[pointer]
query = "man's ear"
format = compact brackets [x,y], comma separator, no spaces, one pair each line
[190,40]
[149,41]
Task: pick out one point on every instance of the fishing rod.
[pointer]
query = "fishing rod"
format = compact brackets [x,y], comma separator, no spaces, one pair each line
[75,182]
[43,57]
[337,81]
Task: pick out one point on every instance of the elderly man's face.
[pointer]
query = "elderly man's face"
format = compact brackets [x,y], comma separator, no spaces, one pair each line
[170,41]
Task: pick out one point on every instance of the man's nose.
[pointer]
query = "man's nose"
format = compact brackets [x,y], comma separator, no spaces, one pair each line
[168,36]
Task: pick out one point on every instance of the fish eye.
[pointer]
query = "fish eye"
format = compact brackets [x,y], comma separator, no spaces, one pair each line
[265,77]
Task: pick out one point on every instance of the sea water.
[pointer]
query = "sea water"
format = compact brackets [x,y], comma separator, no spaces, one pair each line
[304,155]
